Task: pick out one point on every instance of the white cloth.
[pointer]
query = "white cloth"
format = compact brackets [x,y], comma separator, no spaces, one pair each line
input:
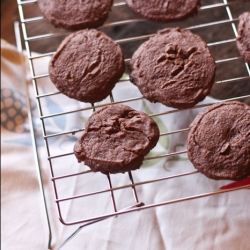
[215,222]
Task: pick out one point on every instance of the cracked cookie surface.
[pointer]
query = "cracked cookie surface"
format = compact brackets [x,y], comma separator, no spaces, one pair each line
[116,139]
[87,65]
[174,68]
[164,10]
[219,141]
[243,39]
[75,14]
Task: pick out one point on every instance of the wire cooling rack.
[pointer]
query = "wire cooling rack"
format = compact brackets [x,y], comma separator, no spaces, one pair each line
[52,37]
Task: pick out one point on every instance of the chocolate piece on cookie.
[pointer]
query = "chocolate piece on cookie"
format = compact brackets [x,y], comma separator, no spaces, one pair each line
[175,68]
[75,14]
[219,141]
[243,39]
[164,10]
[87,65]
[116,139]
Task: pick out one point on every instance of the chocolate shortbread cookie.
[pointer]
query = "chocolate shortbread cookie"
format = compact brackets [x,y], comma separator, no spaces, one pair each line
[164,10]
[219,141]
[116,139]
[243,39]
[75,14]
[175,68]
[87,66]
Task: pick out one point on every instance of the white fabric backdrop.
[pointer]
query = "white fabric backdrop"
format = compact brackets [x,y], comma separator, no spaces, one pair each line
[215,222]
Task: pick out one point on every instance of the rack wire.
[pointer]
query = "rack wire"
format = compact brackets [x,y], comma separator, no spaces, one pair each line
[137,203]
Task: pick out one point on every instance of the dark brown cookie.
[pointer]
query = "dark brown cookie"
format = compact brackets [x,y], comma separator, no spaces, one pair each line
[174,68]
[164,10]
[219,141]
[87,66]
[75,14]
[243,39]
[116,139]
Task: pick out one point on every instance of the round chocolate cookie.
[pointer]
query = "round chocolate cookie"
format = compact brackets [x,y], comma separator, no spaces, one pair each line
[219,141]
[174,68]
[87,66]
[243,39]
[75,14]
[164,10]
[116,139]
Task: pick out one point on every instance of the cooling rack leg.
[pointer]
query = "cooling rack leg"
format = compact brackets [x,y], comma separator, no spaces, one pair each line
[77,231]
[139,204]
[34,144]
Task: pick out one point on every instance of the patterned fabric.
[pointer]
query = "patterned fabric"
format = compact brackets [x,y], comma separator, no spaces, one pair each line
[214,222]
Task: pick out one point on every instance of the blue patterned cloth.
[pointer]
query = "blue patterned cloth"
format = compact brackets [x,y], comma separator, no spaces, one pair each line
[215,222]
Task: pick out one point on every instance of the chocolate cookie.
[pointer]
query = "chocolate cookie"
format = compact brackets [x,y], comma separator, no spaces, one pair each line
[87,66]
[75,14]
[243,39]
[116,139]
[164,10]
[219,141]
[174,68]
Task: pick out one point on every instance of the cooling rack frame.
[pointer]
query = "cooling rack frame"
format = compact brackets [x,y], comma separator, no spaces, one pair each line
[137,204]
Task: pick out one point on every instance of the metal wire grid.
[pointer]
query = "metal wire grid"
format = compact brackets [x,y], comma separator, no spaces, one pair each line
[137,205]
